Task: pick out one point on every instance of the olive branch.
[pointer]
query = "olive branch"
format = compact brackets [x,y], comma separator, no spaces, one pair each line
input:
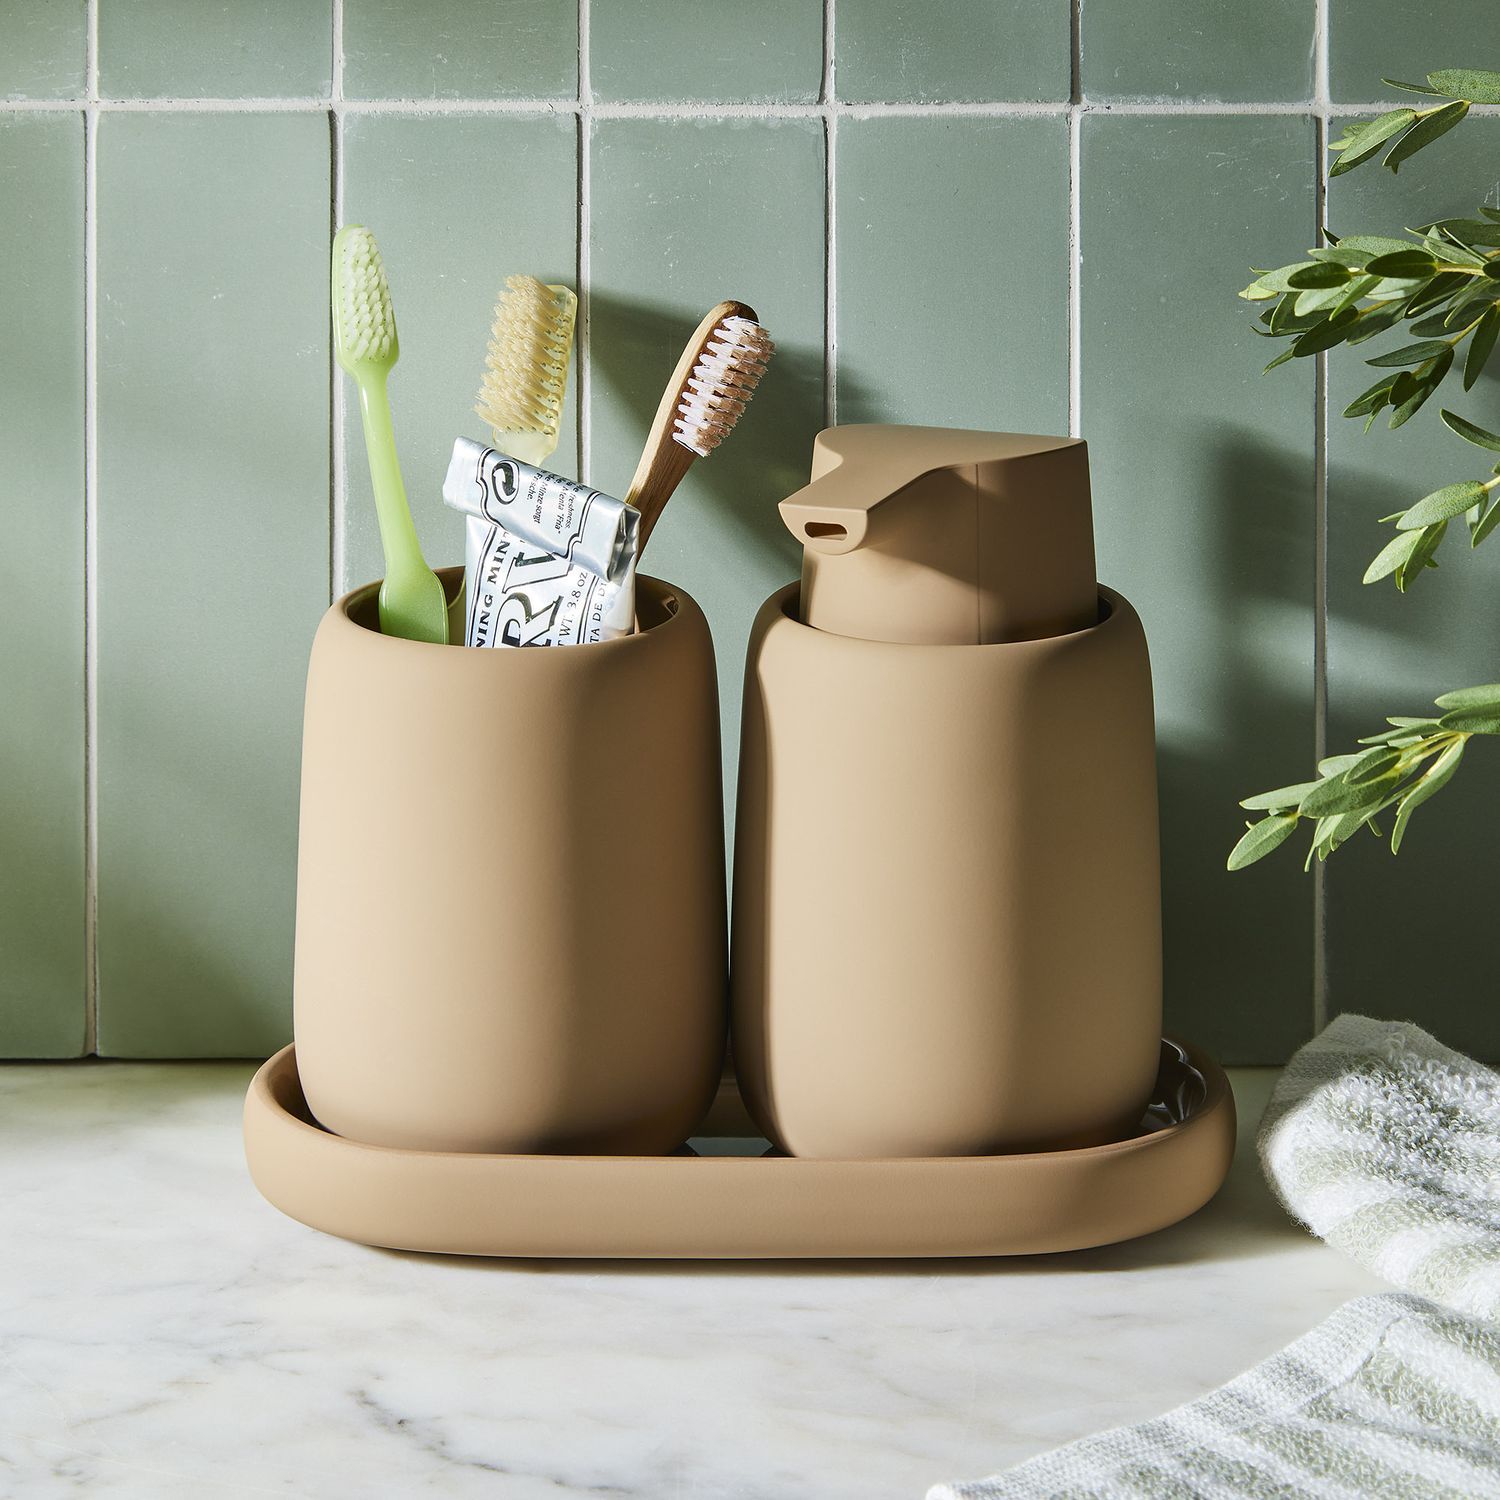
[1443,282]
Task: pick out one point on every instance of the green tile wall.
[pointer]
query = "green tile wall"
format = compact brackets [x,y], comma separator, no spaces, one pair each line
[1373,39]
[447,251]
[183,49]
[1007,213]
[1203,480]
[1412,935]
[986,49]
[1153,49]
[685,214]
[990,191]
[733,53]
[460,49]
[42,986]
[213,547]
[42,51]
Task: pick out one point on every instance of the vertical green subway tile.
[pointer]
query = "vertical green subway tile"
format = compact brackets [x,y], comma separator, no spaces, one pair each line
[730,53]
[213,565]
[1155,49]
[152,49]
[687,213]
[42,49]
[952,243]
[461,49]
[450,233]
[966,50]
[41,607]
[1409,937]
[1373,39]
[1203,482]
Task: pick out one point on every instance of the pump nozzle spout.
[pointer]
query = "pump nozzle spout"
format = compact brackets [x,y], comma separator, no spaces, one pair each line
[832,514]
[945,536]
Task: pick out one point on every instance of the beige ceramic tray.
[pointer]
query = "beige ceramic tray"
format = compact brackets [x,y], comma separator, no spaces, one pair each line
[712,1205]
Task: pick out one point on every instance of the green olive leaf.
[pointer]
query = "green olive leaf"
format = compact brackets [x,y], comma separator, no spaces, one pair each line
[1477,86]
[1485,697]
[1434,779]
[1472,721]
[1318,274]
[1469,432]
[1336,795]
[1279,800]
[1426,130]
[1412,354]
[1391,556]
[1412,88]
[1481,346]
[1261,838]
[1325,335]
[1405,264]
[1442,505]
[1363,141]
[1421,557]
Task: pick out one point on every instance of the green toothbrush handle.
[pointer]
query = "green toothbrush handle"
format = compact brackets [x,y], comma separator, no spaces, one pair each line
[398,536]
[412,603]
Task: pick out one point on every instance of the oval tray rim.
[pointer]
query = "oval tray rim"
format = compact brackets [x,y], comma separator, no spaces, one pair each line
[726,1207]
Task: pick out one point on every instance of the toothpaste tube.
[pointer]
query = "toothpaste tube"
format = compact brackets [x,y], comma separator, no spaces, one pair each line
[548,562]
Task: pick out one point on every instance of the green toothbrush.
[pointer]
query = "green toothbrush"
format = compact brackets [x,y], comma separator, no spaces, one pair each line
[364,335]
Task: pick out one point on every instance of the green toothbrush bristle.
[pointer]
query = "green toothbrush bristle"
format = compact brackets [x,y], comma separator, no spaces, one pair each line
[369,321]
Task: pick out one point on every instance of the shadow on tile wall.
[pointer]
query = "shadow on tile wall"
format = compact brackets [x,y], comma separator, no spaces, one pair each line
[1250,719]
[735,490]
[978,213]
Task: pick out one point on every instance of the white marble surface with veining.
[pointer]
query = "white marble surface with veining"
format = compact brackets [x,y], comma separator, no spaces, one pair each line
[164,1333]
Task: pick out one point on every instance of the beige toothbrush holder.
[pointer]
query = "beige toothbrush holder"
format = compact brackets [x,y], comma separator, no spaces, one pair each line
[510,896]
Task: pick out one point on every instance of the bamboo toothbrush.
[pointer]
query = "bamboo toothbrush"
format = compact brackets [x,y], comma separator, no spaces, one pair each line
[364,336]
[710,388]
[526,369]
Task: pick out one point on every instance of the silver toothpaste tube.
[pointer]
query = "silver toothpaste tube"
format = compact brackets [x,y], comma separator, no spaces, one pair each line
[548,561]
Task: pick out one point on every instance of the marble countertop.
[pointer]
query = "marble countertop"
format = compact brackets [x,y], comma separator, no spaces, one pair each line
[165,1333]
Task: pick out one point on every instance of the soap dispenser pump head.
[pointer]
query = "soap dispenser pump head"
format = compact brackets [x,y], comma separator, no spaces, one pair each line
[940,535]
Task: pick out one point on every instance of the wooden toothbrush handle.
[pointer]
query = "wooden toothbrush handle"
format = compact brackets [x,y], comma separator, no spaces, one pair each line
[664,461]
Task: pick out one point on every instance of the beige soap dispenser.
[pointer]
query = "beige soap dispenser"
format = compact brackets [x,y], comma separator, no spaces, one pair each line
[947,928]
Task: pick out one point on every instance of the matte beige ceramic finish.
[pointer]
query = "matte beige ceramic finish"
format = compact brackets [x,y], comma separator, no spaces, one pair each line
[947,933]
[734,1207]
[510,903]
[938,535]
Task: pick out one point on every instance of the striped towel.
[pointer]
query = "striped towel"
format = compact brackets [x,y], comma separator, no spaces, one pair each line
[1391,1396]
[1386,1144]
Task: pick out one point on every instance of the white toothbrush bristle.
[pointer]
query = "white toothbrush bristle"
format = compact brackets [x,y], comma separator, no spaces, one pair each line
[368,319]
[722,382]
[526,369]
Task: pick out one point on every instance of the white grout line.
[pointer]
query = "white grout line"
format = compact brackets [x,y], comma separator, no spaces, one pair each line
[1075,275]
[91,533]
[338,490]
[1075,226]
[830,225]
[688,109]
[582,331]
[1320,515]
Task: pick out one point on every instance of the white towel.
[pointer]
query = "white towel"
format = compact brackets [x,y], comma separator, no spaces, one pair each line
[1387,1144]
